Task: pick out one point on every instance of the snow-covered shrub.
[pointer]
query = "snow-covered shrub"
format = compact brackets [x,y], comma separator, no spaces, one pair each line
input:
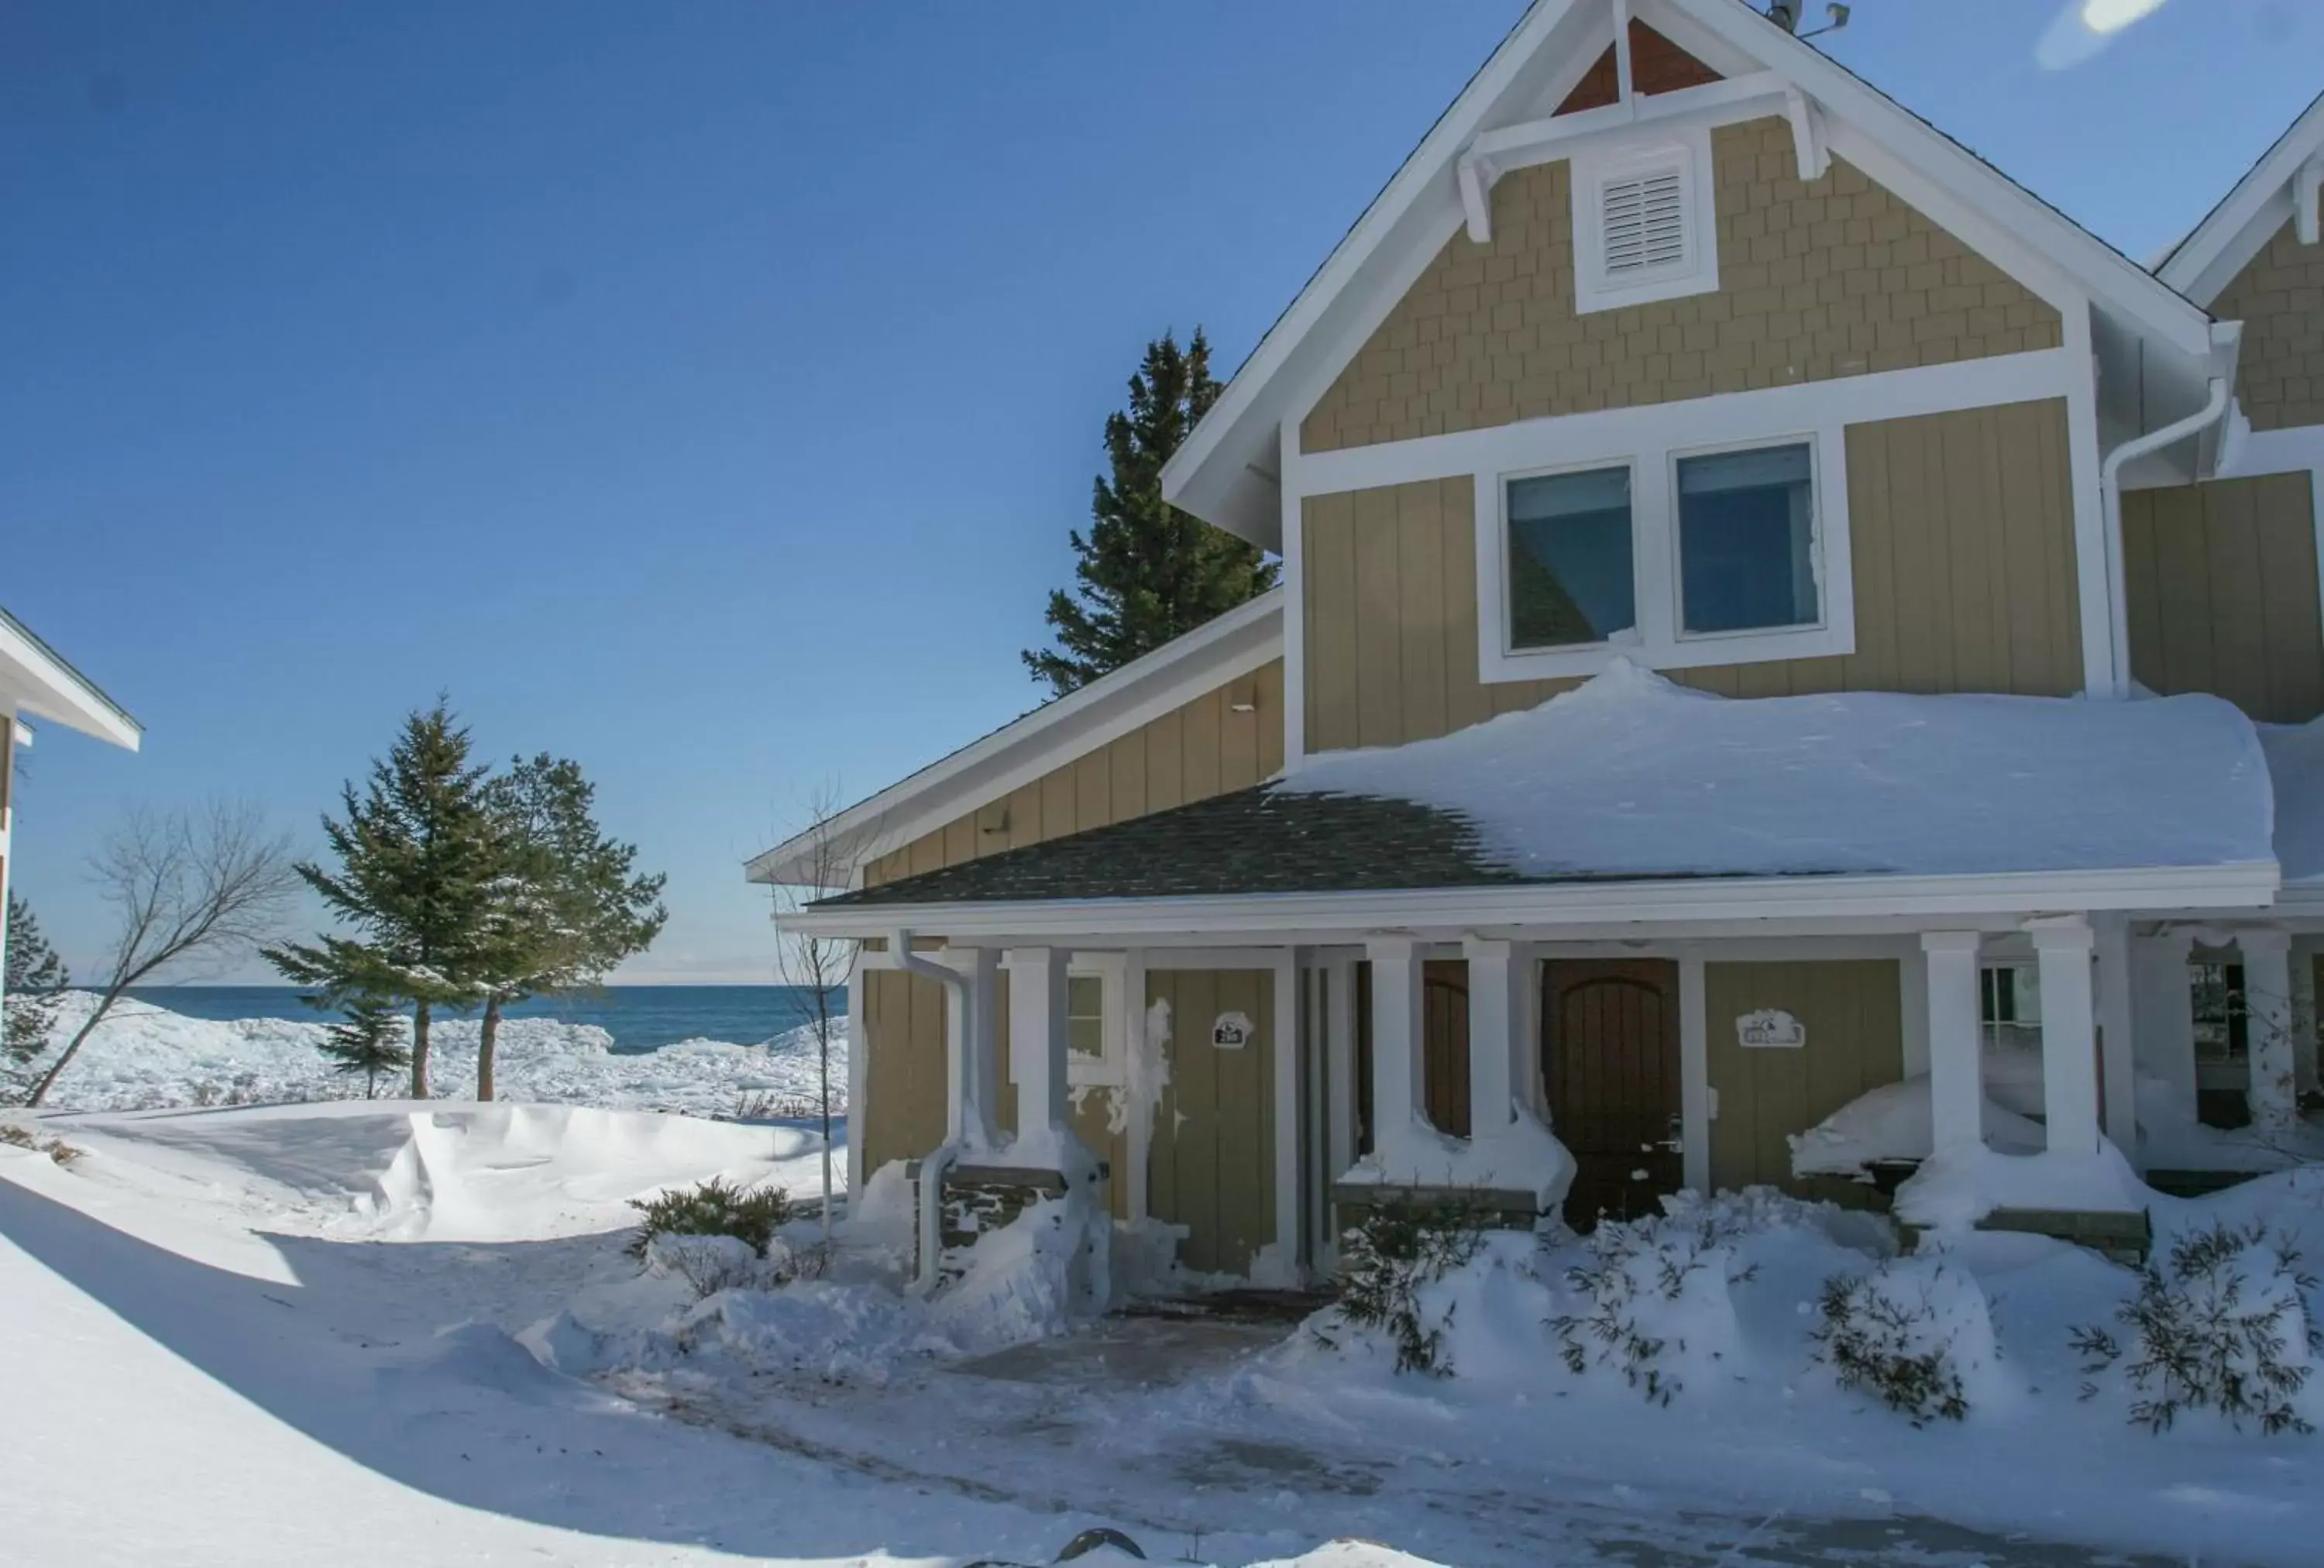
[2222,1325]
[56,1149]
[1652,1298]
[718,1207]
[1894,1333]
[1401,1248]
[710,1264]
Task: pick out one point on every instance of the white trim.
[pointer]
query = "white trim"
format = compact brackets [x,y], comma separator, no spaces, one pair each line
[1140,1143]
[1763,414]
[2094,545]
[1696,1108]
[2296,450]
[2248,885]
[859,1076]
[1243,641]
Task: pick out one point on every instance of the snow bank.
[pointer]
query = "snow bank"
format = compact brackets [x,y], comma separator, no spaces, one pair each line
[1631,775]
[1522,1156]
[1957,1188]
[1896,1121]
[146,1058]
[400,1171]
[2295,757]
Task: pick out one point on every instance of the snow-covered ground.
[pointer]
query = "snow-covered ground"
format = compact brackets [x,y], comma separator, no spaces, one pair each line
[146,1058]
[416,1324]
[288,1336]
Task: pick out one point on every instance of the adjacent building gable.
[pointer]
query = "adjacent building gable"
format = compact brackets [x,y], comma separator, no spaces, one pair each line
[2279,297]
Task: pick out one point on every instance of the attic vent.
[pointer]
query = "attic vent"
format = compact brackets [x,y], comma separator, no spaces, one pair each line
[1644,220]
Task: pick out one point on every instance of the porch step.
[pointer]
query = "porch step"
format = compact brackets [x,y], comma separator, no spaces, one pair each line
[2124,1237]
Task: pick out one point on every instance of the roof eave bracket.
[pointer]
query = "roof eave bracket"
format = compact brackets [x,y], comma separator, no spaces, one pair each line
[2307,197]
[1807,136]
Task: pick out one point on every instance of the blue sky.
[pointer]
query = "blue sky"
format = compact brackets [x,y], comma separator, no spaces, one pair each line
[705,392]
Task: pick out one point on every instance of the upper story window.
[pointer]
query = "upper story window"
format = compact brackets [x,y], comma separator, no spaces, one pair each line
[1747,540]
[1676,558]
[1644,224]
[1572,581]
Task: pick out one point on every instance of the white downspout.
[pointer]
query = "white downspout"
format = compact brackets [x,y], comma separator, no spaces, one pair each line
[943,1158]
[2110,490]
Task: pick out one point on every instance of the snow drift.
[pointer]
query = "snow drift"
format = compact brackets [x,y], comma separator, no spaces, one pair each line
[1632,775]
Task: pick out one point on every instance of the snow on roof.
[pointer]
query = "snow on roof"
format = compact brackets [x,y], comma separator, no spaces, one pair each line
[1631,775]
[2295,757]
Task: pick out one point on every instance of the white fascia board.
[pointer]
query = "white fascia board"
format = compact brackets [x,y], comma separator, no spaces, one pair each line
[40,683]
[1203,476]
[2109,276]
[2239,227]
[1548,905]
[1245,638]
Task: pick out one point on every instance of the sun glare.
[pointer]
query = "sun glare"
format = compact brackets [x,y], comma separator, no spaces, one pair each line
[2104,16]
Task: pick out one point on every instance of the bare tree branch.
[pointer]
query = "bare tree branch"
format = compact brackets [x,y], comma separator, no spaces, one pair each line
[188,889]
[821,964]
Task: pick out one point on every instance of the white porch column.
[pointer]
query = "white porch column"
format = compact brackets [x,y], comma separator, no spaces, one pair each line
[1037,1037]
[2070,1068]
[972,1064]
[1956,1042]
[1497,1019]
[2118,1077]
[1399,1093]
[2267,1030]
[2162,1007]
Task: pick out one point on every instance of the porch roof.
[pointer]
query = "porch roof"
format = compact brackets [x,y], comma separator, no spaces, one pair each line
[1632,779]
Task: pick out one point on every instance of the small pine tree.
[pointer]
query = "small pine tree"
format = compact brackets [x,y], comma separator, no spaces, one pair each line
[1149,572]
[35,984]
[415,856]
[564,904]
[368,1040]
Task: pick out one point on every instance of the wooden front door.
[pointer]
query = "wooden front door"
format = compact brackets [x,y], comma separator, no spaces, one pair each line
[1610,1072]
[1445,1043]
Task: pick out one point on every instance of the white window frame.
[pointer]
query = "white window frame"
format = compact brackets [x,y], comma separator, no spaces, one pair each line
[1627,642]
[1815,544]
[1111,1069]
[1658,642]
[1685,152]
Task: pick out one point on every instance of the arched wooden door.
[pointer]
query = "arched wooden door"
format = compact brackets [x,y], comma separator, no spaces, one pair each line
[1610,1074]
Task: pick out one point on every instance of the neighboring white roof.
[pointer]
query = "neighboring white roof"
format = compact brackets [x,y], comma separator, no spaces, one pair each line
[1632,776]
[1226,471]
[2207,261]
[1236,643]
[35,680]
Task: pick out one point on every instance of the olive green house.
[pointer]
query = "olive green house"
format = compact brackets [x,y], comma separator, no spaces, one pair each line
[1781,632]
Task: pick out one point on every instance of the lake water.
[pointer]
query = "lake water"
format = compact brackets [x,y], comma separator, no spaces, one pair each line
[640,1017]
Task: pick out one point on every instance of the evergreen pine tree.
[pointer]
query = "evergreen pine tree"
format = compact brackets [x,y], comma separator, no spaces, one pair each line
[368,1040]
[565,902]
[1147,571]
[35,985]
[415,854]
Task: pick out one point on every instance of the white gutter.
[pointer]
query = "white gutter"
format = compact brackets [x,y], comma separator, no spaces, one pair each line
[942,1158]
[2110,493]
[2242,885]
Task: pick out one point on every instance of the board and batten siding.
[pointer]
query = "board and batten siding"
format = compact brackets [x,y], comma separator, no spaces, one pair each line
[1203,748]
[2221,580]
[1212,1166]
[1960,529]
[1817,281]
[1853,1012]
[2279,297]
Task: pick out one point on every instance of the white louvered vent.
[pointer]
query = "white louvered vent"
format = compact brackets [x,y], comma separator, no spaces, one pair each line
[1644,221]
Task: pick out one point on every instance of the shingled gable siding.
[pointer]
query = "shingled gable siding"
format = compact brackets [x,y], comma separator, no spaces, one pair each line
[1202,749]
[2280,300]
[1816,281]
[2221,580]
[1962,533]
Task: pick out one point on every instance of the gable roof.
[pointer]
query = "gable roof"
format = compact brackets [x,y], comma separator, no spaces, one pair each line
[2239,229]
[35,679]
[1227,471]
[1241,641]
